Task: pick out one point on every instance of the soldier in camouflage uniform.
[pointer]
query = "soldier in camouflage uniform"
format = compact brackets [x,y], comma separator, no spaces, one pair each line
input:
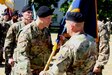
[103,48]
[34,44]
[5,17]
[78,55]
[11,38]
[14,18]
[3,30]
[109,26]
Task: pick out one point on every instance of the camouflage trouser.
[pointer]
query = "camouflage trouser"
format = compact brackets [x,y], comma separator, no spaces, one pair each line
[7,65]
[7,69]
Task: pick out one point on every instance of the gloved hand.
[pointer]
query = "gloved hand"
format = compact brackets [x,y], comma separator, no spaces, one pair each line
[44,73]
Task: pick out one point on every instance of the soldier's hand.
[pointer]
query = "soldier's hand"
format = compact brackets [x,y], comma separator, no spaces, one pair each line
[62,38]
[97,70]
[11,61]
[43,73]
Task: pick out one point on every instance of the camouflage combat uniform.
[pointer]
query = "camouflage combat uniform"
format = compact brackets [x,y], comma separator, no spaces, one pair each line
[109,25]
[3,31]
[103,45]
[33,49]
[10,42]
[10,22]
[76,57]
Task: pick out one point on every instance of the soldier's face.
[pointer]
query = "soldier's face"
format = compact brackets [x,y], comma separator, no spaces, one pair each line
[27,15]
[15,17]
[47,20]
[6,17]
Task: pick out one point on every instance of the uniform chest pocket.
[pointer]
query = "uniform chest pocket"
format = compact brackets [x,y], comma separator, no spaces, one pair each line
[37,46]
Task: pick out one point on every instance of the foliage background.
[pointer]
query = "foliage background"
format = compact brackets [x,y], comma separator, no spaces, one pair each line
[104,7]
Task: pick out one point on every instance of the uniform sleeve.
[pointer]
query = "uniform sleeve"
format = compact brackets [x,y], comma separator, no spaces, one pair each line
[61,61]
[103,47]
[10,42]
[49,39]
[23,47]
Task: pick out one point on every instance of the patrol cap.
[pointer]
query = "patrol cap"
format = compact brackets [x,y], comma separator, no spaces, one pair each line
[26,8]
[15,13]
[44,11]
[5,13]
[75,16]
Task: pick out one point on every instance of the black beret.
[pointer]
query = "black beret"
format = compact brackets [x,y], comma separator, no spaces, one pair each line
[75,16]
[44,11]
[26,8]
[5,13]
[20,15]
[15,13]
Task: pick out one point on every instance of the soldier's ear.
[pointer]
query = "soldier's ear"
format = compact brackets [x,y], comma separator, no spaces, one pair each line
[73,27]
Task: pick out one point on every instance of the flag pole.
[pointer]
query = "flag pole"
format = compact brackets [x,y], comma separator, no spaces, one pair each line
[96,22]
[77,6]
[50,58]
[57,41]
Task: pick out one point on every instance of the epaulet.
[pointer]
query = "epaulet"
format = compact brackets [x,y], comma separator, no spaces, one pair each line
[23,30]
[16,24]
[26,28]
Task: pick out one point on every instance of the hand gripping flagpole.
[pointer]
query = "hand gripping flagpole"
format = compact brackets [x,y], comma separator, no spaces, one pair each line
[52,54]
[88,8]
[75,4]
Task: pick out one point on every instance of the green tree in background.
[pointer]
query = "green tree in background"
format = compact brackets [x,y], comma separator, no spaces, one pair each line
[105,9]
[104,6]
[48,3]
